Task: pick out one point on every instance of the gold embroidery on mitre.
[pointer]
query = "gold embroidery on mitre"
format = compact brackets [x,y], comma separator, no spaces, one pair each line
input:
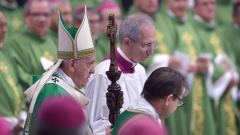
[80,54]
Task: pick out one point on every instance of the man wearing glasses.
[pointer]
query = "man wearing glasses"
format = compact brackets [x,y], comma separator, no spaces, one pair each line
[137,35]
[31,49]
[162,94]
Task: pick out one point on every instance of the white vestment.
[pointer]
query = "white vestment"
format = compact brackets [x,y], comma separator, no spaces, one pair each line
[131,85]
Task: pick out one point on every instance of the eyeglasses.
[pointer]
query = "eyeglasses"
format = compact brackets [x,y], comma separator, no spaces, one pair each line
[36,15]
[180,101]
[148,46]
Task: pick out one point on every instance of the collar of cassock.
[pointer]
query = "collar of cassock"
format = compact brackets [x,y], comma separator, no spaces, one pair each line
[171,14]
[210,24]
[123,62]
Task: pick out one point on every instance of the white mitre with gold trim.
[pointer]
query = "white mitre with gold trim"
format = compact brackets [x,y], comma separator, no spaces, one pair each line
[73,43]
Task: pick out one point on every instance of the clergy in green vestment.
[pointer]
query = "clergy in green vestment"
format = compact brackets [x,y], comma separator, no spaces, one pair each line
[65,7]
[14,15]
[232,33]
[11,97]
[102,43]
[93,17]
[32,51]
[178,40]
[223,12]
[221,81]
[162,94]
[68,76]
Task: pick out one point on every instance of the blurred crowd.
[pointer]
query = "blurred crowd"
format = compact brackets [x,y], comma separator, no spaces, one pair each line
[198,38]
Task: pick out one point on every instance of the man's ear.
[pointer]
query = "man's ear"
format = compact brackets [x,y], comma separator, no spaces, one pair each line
[167,99]
[127,41]
[71,65]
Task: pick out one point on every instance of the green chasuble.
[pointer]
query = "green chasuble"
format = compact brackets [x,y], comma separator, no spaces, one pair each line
[54,36]
[25,51]
[224,12]
[232,33]
[124,118]
[11,97]
[214,42]
[49,89]
[187,43]
[103,46]
[14,18]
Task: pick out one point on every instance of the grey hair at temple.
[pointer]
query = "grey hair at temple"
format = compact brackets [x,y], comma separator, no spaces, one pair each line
[131,26]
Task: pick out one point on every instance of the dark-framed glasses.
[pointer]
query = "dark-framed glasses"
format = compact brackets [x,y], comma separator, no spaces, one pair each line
[180,101]
[148,46]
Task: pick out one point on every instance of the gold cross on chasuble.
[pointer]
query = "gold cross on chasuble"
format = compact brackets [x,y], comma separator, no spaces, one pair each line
[215,42]
[162,47]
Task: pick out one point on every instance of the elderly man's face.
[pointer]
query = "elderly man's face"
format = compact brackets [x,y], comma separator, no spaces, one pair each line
[141,53]
[38,17]
[3,27]
[206,9]
[147,6]
[178,7]
[83,68]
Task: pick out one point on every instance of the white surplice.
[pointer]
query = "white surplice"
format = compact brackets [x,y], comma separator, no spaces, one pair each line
[131,85]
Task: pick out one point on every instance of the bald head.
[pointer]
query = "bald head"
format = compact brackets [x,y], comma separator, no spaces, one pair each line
[3,27]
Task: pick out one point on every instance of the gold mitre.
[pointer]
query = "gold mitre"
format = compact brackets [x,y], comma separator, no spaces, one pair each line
[75,43]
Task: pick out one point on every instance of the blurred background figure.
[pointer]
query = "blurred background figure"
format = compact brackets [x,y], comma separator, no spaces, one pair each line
[60,115]
[102,43]
[11,97]
[5,127]
[65,8]
[149,7]
[14,15]
[93,18]
[32,51]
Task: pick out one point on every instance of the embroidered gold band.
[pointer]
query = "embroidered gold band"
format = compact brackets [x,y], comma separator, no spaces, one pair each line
[80,54]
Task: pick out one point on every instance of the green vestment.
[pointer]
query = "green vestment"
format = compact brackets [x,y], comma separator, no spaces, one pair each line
[25,50]
[49,89]
[54,36]
[103,46]
[224,12]
[11,97]
[214,42]
[124,118]
[232,33]
[14,18]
